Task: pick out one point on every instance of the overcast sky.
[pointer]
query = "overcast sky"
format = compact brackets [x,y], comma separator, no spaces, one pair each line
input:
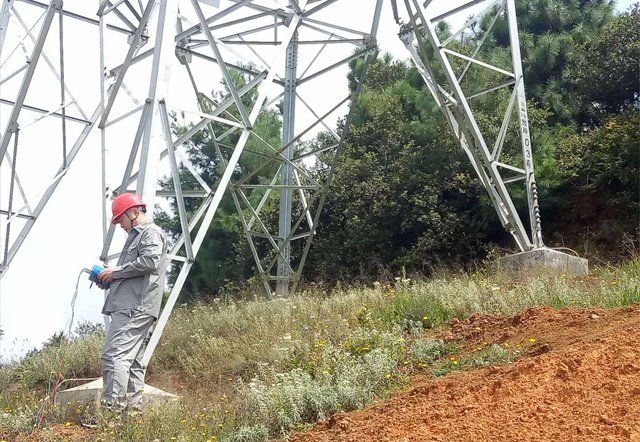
[36,292]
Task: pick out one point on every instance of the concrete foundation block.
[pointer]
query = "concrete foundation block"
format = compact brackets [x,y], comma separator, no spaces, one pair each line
[88,397]
[544,258]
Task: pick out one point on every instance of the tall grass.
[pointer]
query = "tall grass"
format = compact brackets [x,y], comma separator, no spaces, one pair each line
[252,370]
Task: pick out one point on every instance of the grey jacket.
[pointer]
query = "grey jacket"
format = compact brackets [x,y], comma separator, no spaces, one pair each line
[138,278]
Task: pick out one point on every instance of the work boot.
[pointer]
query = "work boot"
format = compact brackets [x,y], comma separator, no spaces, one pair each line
[92,421]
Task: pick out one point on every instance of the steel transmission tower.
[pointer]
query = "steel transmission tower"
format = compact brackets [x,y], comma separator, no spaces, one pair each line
[125,72]
[155,63]
[444,67]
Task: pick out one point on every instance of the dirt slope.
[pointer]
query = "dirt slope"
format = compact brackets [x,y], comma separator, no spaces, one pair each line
[579,381]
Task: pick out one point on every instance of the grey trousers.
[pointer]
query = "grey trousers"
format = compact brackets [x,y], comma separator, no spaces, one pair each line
[122,371]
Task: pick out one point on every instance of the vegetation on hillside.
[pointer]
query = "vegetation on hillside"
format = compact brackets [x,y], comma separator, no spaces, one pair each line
[250,370]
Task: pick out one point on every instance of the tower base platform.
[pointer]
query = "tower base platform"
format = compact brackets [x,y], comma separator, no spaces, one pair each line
[544,258]
[88,395]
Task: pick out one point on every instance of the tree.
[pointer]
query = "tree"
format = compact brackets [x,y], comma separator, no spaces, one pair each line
[607,67]
[403,196]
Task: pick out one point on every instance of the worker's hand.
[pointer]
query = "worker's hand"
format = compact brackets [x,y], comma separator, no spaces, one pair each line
[106,276]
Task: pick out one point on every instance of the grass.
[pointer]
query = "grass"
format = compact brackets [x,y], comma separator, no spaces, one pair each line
[248,371]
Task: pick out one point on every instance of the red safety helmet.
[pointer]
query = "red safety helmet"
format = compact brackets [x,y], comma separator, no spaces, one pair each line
[124,202]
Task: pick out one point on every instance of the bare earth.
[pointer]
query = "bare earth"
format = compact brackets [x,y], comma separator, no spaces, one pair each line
[579,381]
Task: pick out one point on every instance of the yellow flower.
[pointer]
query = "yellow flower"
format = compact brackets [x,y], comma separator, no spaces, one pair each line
[388,375]
[67,424]
[183,421]
[532,340]
[478,329]
[455,362]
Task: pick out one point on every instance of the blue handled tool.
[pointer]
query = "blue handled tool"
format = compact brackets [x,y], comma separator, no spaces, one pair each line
[93,274]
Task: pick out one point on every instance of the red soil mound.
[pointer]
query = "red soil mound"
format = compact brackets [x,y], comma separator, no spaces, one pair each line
[579,381]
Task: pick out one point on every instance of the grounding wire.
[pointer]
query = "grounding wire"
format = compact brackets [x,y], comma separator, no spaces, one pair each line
[55,382]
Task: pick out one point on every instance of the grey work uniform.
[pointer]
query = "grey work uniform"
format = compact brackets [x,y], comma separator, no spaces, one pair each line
[133,303]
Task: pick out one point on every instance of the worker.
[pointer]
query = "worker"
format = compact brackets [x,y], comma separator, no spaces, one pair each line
[136,285]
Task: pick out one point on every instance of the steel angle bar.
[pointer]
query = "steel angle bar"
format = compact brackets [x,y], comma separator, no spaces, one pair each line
[133,10]
[514,179]
[10,76]
[456,10]
[195,29]
[314,113]
[359,42]
[12,183]
[135,60]
[15,214]
[345,60]
[497,149]
[474,19]
[114,9]
[20,43]
[44,111]
[278,155]
[190,167]
[227,64]
[177,185]
[251,5]
[532,190]
[184,193]
[508,167]
[213,118]
[309,21]
[264,198]
[49,113]
[124,116]
[484,38]
[303,200]
[223,69]
[315,58]
[5,14]
[252,246]
[330,35]
[276,186]
[276,247]
[12,123]
[478,62]
[286,241]
[492,89]
[133,47]
[193,223]
[79,17]
[299,236]
[228,39]
[314,152]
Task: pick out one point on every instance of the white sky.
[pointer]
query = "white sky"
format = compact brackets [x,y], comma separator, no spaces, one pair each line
[36,292]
